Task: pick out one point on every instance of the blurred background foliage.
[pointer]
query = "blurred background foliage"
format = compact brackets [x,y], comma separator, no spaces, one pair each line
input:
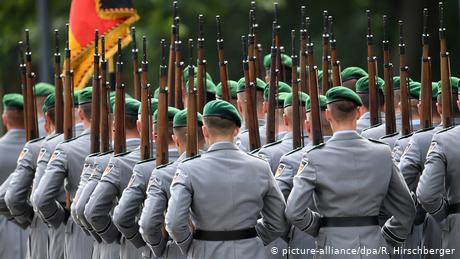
[350,26]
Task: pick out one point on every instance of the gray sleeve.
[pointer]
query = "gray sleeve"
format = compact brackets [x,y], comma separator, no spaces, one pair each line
[242,142]
[399,203]
[273,223]
[298,210]
[4,211]
[97,211]
[42,163]
[87,170]
[410,165]
[177,216]
[129,206]
[152,217]
[397,152]
[285,174]
[430,188]
[48,189]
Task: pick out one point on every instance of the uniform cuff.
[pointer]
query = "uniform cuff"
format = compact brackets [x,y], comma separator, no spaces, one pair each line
[159,248]
[137,240]
[441,212]
[184,245]
[56,218]
[109,234]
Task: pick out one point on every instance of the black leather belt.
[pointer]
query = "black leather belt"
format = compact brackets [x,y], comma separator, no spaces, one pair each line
[454,208]
[349,221]
[225,235]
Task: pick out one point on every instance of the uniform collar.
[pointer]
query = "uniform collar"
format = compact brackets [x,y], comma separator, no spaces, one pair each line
[132,143]
[261,122]
[288,135]
[86,131]
[222,145]
[345,135]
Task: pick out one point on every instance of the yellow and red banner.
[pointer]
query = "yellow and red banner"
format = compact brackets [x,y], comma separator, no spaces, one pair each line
[111,17]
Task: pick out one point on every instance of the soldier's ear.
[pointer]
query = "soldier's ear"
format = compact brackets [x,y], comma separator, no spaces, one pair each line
[285,119]
[439,108]
[458,104]
[205,131]
[236,132]
[138,125]
[358,113]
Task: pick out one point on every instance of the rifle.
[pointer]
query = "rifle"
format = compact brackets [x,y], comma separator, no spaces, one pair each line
[390,119]
[326,57]
[279,66]
[315,111]
[162,120]
[252,30]
[426,88]
[201,75]
[136,77]
[179,71]
[271,123]
[68,100]
[251,109]
[95,113]
[404,89]
[59,102]
[446,96]
[104,102]
[30,97]
[223,69]
[192,133]
[145,111]
[172,53]
[372,71]
[336,70]
[22,70]
[296,126]
[119,145]
[303,51]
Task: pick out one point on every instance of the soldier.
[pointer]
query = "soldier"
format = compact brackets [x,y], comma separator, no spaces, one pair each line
[288,167]
[283,88]
[350,75]
[128,210]
[286,63]
[272,152]
[222,227]
[65,165]
[41,91]
[437,189]
[12,237]
[17,195]
[426,230]
[210,89]
[344,222]
[232,87]
[362,89]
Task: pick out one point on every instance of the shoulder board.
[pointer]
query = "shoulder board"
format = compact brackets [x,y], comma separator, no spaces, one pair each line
[164,165]
[406,136]
[293,151]
[316,147]
[105,153]
[444,130]
[273,143]
[253,152]
[53,136]
[94,154]
[390,135]
[191,158]
[371,127]
[244,131]
[377,141]
[256,156]
[423,130]
[36,140]
[74,138]
[122,154]
[146,160]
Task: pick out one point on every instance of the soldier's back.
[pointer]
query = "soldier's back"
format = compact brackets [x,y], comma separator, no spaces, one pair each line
[11,145]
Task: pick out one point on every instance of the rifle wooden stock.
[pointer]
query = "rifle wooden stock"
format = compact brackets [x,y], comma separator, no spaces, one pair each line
[22,70]
[95,112]
[201,75]
[403,84]
[119,145]
[303,51]
[223,69]
[426,88]
[446,92]
[104,103]
[30,97]
[372,72]
[192,133]
[146,116]
[336,70]
[59,102]
[68,100]
[136,76]
[179,70]
[172,54]
[315,111]
[390,117]
[273,86]
[326,57]
[296,121]
[162,120]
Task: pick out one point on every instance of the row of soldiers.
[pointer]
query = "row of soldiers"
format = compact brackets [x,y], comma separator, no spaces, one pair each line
[228,190]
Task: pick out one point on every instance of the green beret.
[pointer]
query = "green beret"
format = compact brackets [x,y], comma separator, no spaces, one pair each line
[156,93]
[303,99]
[322,103]
[223,109]
[13,101]
[171,113]
[362,85]
[50,100]
[132,106]
[261,85]
[210,86]
[350,73]
[76,93]
[453,85]
[282,88]
[43,89]
[154,103]
[320,78]
[195,74]
[232,85]
[180,119]
[414,89]
[112,95]
[340,93]
[85,95]
[397,82]
[286,61]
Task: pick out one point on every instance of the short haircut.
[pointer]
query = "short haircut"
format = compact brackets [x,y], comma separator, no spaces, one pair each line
[131,121]
[51,114]
[14,116]
[219,126]
[289,113]
[365,98]
[396,97]
[350,84]
[170,131]
[86,108]
[455,111]
[181,134]
[325,125]
[343,110]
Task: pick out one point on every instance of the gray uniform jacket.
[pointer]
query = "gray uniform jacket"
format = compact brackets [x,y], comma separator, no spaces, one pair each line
[11,145]
[65,167]
[41,126]
[364,121]
[379,131]
[242,140]
[152,217]
[399,147]
[438,188]
[272,152]
[243,188]
[317,179]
